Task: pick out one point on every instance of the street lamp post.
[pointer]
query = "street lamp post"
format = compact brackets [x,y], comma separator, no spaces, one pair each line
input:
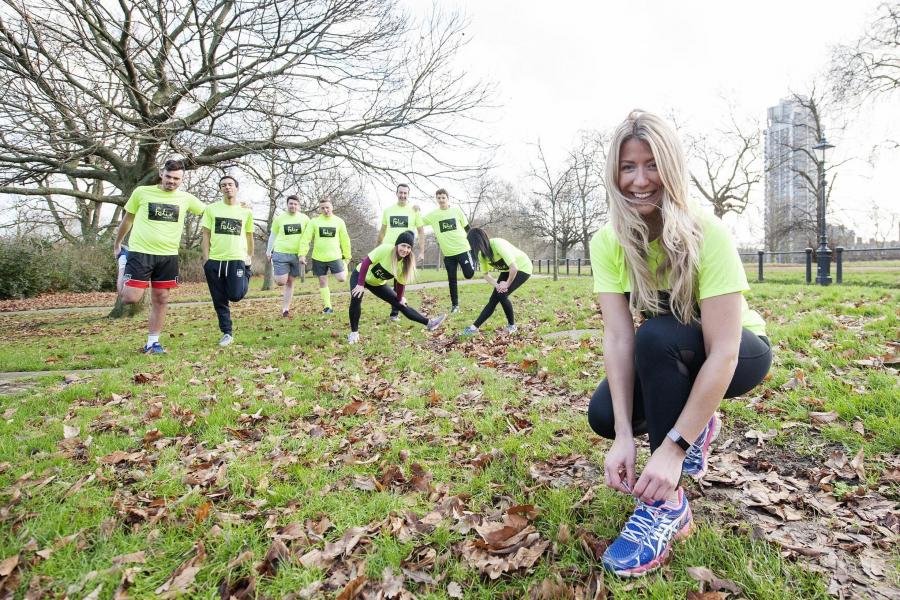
[823,253]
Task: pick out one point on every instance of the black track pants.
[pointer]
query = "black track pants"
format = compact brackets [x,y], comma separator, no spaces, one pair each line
[668,356]
[468,268]
[228,281]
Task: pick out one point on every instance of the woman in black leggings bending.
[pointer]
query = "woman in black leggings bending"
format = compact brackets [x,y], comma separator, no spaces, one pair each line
[677,266]
[515,269]
[388,262]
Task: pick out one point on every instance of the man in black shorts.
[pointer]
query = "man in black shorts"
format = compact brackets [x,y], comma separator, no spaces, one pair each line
[331,249]
[154,215]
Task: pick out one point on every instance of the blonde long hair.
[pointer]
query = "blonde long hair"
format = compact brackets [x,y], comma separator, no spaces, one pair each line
[408,264]
[682,233]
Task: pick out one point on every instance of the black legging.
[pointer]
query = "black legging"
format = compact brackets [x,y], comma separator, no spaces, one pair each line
[385,293]
[667,357]
[502,299]
[468,268]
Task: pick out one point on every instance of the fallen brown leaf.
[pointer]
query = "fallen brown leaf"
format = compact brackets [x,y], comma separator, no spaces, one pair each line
[183,577]
[276,554]
[242,588]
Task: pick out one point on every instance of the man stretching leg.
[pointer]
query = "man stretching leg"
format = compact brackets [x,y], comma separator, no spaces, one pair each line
[227,247]
[450,226]
[154,215]
[331,248]
[284,247]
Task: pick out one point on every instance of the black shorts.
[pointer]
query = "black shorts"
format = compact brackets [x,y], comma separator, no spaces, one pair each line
[145,270]
[321,268]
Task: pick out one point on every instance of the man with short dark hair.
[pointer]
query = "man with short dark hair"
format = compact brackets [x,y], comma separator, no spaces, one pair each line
[283,249]
[331,249]
[227,247]
[154,216]
[450,226]
[399,218]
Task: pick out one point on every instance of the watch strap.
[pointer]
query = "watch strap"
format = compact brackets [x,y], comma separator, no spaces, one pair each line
[676,437]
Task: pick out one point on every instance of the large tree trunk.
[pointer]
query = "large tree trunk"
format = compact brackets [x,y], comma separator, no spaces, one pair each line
[127,310]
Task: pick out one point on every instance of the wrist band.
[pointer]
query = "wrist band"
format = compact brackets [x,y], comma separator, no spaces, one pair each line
[676,437]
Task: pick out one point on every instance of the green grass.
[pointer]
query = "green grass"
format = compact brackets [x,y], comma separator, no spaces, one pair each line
[269,410]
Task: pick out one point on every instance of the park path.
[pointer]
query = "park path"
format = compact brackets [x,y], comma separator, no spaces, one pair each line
[85,309]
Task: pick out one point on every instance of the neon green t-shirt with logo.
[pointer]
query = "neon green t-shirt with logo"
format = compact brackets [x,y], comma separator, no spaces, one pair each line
[399,219]
[329,238]
[450,230]
[505,254]
[228,225]
[380,271]
[159,219]
[721,270]
[288,229]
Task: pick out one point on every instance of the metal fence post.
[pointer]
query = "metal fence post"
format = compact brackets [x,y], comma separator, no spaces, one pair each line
[579,266]
[809,265]
[839,263]
[759,271]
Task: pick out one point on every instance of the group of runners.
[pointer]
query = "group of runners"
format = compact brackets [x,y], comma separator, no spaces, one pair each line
[659,257]
[153,224]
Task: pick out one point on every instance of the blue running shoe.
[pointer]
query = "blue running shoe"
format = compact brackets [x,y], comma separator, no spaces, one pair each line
[695,461]
[647,537]
[154,348]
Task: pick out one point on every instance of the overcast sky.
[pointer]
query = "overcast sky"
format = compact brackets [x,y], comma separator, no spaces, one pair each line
[566,65]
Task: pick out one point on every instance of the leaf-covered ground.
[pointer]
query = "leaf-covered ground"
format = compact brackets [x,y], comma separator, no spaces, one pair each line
[417,465]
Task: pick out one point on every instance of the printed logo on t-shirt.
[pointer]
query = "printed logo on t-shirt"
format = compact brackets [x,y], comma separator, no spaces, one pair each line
[447,225]
[293,228]
[380,272]
[399,221]
[327,231]
[226,226]
[157,211]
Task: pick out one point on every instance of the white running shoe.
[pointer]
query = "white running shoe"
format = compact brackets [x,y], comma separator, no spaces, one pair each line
[511,328]
[226,340]
[353,337]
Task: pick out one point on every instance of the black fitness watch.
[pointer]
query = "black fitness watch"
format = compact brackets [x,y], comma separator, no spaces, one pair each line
[676,437]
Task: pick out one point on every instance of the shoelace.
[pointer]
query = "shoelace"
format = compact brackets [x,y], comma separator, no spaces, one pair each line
[639,526]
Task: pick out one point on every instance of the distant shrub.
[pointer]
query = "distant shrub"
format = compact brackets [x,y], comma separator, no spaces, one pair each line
[21,269]
[29,267]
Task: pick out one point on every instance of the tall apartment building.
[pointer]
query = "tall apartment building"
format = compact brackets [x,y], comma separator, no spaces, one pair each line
[790,201]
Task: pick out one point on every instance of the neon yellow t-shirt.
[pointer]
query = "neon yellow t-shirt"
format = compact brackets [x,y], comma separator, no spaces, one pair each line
[505,254]
[159,219]
[399,219]
[380,271]
[329,238]
[288,229]
[228,225]
[721,271]
[449,229]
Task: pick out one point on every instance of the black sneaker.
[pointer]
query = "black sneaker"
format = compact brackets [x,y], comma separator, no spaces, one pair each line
[327,310]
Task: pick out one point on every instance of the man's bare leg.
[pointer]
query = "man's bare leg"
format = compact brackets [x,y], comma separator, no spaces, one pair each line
[160,303]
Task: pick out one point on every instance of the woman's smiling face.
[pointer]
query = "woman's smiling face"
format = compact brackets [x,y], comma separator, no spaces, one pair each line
[639,178]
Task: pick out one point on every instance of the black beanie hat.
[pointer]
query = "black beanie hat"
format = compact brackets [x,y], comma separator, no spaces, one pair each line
[407,237]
